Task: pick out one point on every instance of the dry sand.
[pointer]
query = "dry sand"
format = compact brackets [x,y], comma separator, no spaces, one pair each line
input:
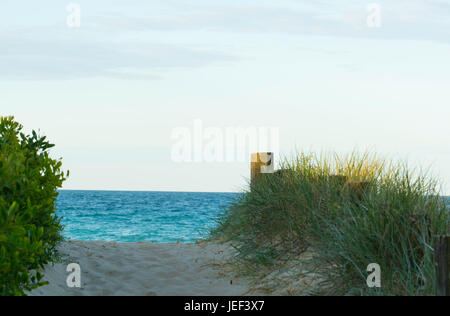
[151,269]
[110,268]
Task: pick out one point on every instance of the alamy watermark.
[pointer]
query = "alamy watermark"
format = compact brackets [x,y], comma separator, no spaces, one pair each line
[374,15]
[373,19]
[74,18]
[74,277]
[215,144]
[374,278]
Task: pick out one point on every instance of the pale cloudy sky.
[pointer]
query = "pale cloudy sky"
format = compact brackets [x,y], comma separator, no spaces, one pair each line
[110,92]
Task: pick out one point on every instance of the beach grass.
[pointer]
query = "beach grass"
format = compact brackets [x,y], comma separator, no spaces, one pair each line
[349,211]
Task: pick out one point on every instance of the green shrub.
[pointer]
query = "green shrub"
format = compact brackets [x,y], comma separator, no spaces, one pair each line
[311,204]
[29,228]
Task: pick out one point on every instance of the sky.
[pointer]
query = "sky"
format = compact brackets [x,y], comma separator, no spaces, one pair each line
[113,90]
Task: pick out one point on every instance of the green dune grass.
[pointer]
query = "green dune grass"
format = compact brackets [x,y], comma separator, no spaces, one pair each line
[350,211]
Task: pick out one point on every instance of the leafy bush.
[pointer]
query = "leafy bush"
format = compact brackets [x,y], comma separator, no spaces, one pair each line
[29,228]
[315,203]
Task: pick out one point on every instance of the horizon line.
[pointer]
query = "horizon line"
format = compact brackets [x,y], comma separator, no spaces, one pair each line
[162,191]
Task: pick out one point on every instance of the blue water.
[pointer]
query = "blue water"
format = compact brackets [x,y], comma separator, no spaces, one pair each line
[140,216]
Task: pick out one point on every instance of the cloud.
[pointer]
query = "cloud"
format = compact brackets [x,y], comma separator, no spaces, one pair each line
[402,19]
[24,57]
[137,41]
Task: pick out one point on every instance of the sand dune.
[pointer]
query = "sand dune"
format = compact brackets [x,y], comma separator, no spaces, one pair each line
[109,268]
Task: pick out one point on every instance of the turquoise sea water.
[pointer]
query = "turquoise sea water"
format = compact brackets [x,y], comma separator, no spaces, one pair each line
[140,216]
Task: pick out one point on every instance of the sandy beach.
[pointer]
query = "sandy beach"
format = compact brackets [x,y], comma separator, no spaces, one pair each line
[144,269]
[157,269]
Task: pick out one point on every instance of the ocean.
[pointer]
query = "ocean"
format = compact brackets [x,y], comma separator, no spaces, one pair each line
[140,216]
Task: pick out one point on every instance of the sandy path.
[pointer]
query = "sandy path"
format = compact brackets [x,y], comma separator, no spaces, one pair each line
[109,268]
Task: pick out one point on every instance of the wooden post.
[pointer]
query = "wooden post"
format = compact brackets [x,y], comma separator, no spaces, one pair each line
[261,163]
[442,265]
